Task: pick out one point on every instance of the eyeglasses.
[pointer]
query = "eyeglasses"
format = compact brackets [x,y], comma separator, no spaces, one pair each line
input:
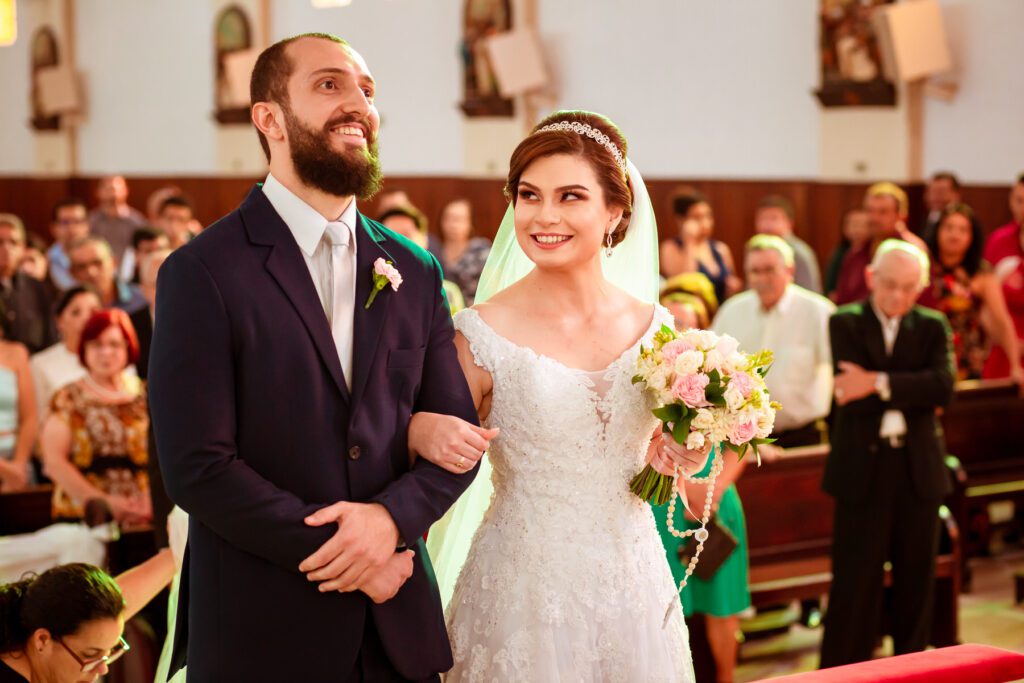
[91,665]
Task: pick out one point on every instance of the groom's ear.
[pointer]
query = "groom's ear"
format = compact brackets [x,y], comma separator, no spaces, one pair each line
[269,120]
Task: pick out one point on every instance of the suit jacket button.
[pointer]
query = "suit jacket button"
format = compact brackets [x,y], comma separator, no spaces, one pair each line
[354,453]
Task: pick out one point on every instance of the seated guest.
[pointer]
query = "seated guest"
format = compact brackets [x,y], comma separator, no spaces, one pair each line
[389,199]
[33,261]
[25,301]
[791,321]
[156,199]
[725,595]
[145,240]
[409,222]
[92,264]
[93,442]
[690,297]
[142,321]
[176,218]
[886,467]
[942,190]
[1005,252]
[113,220]
[464,255]
[693,249]
[58,365]
[18,421]
[66,625]
[775,216]
[856,233]
[886,205]
[965,289]
[70,223]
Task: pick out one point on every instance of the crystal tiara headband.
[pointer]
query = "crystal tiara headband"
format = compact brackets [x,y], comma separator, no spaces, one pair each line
[590,132]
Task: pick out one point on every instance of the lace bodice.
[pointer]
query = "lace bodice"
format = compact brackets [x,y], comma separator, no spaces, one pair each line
[557,426]
[566,571]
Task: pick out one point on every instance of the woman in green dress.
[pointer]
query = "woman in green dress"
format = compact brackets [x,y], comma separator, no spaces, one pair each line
[722,599]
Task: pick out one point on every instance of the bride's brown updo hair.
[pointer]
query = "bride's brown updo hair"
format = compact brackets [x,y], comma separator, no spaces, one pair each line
[612,178]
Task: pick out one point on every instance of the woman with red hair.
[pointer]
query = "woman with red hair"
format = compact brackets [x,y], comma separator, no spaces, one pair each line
[94,441]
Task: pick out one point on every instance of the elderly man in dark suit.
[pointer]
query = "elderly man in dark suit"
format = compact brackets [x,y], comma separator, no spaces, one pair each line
[893,370]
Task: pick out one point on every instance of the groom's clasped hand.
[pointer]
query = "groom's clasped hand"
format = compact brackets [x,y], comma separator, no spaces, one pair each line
[361,555]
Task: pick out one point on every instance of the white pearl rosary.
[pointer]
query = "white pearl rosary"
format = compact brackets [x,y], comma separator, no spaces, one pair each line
[700,533]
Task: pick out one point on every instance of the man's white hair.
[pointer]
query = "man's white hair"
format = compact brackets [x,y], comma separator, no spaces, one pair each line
[892,248]
[771,243]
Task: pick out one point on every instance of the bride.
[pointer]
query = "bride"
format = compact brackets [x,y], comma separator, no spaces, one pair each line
[565,578]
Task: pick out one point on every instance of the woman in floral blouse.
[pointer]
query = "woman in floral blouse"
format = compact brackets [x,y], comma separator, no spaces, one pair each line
[94,441]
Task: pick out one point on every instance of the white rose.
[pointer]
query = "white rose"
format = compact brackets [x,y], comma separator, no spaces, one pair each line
[765,423]
[733,398]
[658,379]
[689,362]
[703,420]
[713,361]
[695,441]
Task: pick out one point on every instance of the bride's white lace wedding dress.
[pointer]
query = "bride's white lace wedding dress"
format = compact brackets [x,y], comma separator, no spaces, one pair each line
[566,579]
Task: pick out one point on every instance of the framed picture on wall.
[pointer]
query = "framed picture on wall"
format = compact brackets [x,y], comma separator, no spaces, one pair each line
[851,62]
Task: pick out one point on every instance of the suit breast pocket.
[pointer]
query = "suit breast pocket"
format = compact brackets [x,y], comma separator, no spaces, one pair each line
[406,359]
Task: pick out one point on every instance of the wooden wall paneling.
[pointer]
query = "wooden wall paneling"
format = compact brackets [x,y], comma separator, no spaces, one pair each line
[819,206]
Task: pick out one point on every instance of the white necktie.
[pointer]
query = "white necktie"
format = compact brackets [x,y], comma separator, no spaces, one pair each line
[335,266]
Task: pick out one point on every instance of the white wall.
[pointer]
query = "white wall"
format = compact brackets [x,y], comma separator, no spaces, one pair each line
[980,135]
[411,49]
[148,68]
[701,89]
[719,89]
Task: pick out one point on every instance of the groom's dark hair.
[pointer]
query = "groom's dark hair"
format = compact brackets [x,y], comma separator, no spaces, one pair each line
[269,81]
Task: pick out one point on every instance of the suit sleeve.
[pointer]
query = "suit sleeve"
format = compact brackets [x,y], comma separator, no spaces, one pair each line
[192,393]
[848,346]
[933,385]
[422,495]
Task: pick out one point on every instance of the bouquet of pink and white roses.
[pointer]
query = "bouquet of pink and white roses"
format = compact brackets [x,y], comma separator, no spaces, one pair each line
[708,392]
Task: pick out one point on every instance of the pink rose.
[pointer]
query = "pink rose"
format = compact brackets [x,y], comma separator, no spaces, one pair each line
[690,389]
[742,432]
[671,351]
[382,267]
[743,382]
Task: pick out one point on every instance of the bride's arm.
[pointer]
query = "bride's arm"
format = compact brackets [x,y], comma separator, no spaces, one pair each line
[448,441]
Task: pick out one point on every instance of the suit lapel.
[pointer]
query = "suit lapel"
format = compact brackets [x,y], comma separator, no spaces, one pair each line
[904,340]
[368,322]
[287,266]
[871,328]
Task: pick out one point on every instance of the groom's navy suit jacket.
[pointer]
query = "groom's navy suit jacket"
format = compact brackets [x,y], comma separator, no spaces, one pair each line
[256,429]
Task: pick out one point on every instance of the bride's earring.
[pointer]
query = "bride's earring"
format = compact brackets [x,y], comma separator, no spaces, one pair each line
[608,244]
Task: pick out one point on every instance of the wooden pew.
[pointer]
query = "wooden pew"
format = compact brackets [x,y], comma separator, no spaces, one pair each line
[984,429]
[24,511]
[789,531]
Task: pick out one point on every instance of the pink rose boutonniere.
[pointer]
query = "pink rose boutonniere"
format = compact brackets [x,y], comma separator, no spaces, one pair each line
[384,274]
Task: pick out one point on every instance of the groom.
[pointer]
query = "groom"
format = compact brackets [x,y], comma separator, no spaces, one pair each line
[281,399]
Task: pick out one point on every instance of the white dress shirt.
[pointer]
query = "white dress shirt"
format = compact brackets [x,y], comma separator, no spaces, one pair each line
[796,330]
[894,424]
[307,227]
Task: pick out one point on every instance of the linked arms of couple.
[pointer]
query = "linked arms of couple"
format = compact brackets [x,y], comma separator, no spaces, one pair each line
[361,554]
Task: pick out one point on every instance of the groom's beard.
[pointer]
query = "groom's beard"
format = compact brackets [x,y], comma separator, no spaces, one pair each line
[355,171]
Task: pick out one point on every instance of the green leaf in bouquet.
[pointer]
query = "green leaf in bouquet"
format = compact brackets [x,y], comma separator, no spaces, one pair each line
[673,412]
[665,335]
[715,376]
[637,379]
[681,429]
